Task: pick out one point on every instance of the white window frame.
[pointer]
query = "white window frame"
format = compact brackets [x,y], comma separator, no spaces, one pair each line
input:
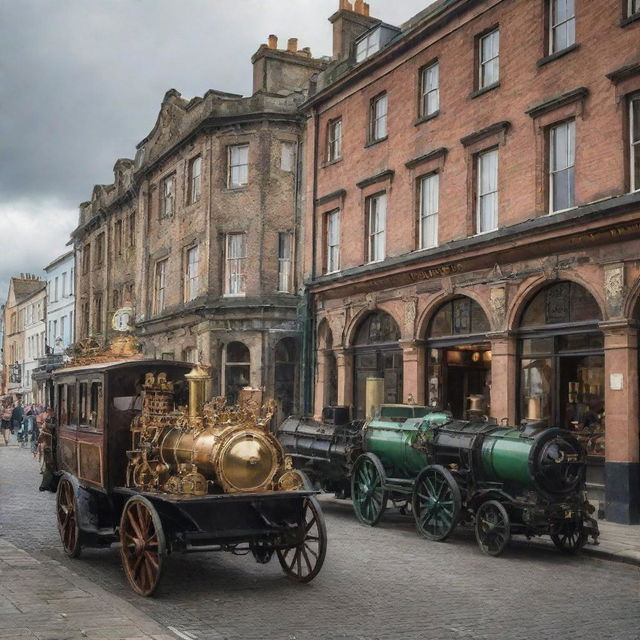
[168,196]
[160,286]
[238,166]
[486,63]
[367,46]
[332,241]
[235,265]
[334,140]
[429,206]
[569,164]
[568,24]
[376,227]
[378,117]
[195,179]
[191,268]
[634,145]
[287,156]
[487,192]
[430,89]
[285,261]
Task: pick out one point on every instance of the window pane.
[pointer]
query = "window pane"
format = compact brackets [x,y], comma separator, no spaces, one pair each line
[635,120]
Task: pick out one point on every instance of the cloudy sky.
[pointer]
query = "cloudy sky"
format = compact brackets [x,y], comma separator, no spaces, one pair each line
[82,82]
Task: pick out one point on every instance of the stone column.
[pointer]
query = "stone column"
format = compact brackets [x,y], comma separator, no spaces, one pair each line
[413,370]
[320,384]
[622,442]
[504,363]
[344,364]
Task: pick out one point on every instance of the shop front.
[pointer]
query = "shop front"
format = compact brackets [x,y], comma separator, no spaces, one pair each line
[459,359]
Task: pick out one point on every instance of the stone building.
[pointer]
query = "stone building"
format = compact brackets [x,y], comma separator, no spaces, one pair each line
[473,222]
[199,234]
[24,334]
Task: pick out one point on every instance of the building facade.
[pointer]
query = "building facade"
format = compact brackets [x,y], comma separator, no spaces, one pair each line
[198,235]
[24,335]
[473,206]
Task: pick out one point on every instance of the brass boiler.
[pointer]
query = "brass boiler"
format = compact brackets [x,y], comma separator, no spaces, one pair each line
[237,457]
[212,444]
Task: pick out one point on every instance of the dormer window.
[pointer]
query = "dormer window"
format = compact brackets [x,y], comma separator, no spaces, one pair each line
[366,47]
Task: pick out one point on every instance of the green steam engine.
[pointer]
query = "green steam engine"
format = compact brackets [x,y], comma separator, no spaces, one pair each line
[504,480]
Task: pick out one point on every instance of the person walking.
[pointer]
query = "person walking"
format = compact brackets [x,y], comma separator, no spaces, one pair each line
[17,418]
[5,426]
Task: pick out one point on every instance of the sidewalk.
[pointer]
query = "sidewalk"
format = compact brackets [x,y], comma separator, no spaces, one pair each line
[620,542]
[42,600]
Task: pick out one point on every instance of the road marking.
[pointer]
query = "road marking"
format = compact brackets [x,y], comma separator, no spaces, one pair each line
[182,634]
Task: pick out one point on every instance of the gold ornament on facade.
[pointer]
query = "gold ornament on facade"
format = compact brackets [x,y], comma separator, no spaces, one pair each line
[90,351]
[209,447]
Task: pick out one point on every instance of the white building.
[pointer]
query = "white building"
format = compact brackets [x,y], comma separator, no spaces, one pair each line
[34,338]
[60,302]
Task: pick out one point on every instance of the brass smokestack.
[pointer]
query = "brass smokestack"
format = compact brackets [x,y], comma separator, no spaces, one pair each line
[197,378]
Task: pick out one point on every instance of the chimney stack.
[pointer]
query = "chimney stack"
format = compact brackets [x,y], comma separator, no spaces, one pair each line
[273,42]
[292,45]
[349,22]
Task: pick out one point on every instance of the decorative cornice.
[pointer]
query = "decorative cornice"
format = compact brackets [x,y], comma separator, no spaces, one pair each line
[628,71]
[492,129]
[334,195]
[378,177]
[576,95]
[436,153]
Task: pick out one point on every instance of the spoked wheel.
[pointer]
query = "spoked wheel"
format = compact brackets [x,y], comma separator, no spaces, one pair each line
[570,536]
[67,513]
[143,547]
[304,561]
[493,528]
[367,489]
[436,502]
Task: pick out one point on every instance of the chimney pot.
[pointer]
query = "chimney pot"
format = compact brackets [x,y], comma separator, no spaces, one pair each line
[345,4]
[366,9]
[292,45]
[358,7]
[273,42]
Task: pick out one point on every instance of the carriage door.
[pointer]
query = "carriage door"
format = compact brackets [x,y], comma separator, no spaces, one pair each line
[90,431]
[67,419]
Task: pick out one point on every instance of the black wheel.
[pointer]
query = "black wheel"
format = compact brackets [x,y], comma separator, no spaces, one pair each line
[303,561]
[262,551]
[493,528]
[436,502]
[570,536]
[67,514]
[143,546]
[367,489]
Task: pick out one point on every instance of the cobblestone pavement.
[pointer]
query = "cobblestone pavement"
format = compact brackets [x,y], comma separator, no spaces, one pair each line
[382,583]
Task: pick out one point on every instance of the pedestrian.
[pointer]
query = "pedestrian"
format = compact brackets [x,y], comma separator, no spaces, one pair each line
[17,417]
[5,417]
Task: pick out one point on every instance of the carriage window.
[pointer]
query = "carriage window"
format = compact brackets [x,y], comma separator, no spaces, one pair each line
[63,412]
[84,404]
[71,404]
[96,406]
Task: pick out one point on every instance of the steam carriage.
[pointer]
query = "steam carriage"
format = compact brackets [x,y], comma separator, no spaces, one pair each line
[134,467]
[506,480]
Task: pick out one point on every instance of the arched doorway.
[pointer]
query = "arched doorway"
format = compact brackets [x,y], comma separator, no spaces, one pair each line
[378,358]
[459,359]
[561,356]
[237,370]
[286,384]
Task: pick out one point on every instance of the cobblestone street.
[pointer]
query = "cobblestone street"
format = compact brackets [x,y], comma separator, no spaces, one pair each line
[376,583]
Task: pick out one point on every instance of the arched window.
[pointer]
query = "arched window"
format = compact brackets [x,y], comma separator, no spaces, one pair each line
[378,359]
[459,359]
[237,370]
[561,354]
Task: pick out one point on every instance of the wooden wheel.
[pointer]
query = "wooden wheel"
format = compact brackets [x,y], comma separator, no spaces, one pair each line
[493,528]
[570,536]
[143,547]
[67,514]
[436,502]
[367,489]
[303,561]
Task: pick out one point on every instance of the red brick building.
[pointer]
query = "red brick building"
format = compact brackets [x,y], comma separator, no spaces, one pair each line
[473,219]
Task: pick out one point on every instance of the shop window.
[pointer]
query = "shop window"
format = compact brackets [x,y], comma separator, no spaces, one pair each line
[286,358]
[237,370]
[378,363]
[460,316]
[562,363]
